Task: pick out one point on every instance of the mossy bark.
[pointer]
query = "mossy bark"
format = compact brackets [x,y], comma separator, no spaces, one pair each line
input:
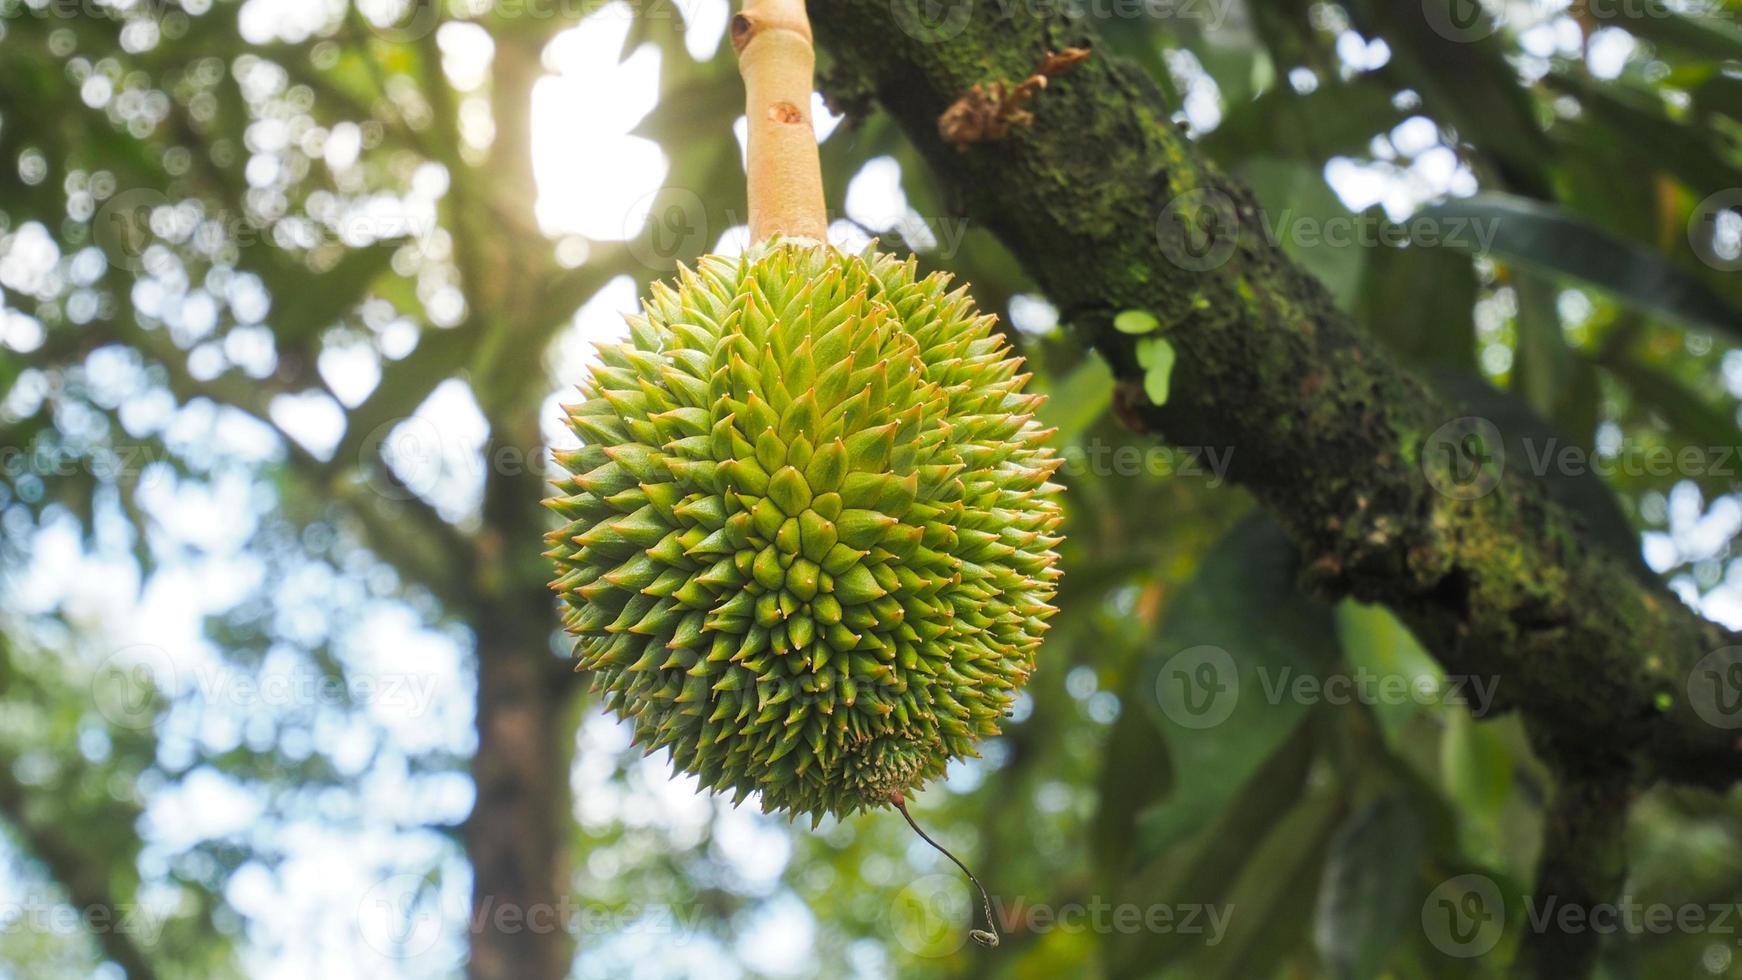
[1578,878]
[1325,428]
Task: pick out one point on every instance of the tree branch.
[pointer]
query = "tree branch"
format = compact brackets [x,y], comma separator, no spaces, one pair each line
[435,558]
[1328,432]
[1583,867]
[84,876]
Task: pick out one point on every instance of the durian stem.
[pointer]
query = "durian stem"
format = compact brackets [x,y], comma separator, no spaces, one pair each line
[986,937]
[785,177]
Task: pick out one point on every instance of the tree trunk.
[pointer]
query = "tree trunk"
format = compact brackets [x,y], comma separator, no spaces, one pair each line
[517,836]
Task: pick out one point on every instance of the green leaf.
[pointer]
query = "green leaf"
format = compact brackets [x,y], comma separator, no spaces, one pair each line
[1468,84]
[1546,373]
[1421,303]
[1687,152]
[1657,21]
[1274,898]
[1136,322]
[1720,94]
[1477,766]
[1375,642]
[1234,641]
[1697,421]
[1549,239]
[1206,869]
[1156,356]
[1076,400]
[1132,746]
[1365,900]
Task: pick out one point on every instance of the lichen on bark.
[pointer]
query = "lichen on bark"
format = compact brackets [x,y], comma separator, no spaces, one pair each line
[1325,428]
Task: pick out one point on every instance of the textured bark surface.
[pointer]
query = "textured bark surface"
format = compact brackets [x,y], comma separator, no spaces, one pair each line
[1581,871]
[517,837]
[1325,428]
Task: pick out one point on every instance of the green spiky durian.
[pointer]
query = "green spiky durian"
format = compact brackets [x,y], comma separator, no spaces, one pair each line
[810,531]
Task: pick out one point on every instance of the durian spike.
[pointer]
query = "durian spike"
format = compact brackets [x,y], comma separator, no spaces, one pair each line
[988,936]
[784,175]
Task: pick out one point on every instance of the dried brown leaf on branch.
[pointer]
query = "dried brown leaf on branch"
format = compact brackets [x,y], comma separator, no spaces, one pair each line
[984,114]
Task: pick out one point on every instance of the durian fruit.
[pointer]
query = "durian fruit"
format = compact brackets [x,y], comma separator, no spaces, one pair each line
[810,531]
[809,543]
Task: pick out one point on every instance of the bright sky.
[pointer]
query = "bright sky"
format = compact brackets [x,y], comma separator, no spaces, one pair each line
[332,908]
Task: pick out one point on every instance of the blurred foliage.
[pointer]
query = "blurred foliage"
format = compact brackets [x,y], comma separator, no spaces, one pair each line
[216,216]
